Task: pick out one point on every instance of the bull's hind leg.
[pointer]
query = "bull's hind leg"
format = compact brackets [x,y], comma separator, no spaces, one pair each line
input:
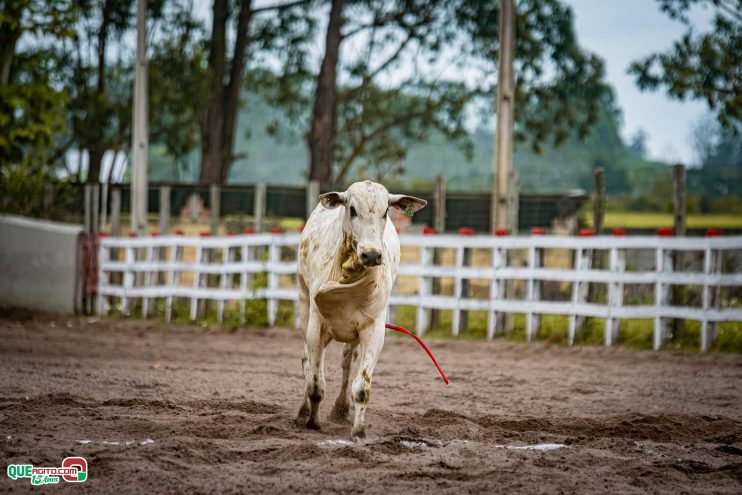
[339,413]
[372,340]
[314,371]
[305,408]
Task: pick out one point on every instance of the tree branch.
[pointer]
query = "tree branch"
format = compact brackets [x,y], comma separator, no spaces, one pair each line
[366,138]
[728,9]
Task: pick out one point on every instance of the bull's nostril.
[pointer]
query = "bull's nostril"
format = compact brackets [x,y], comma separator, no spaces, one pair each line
[371,258]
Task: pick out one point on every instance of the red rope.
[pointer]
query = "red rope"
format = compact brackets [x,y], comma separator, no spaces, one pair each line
[404,330]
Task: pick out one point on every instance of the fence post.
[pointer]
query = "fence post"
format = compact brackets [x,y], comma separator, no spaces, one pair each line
[678,292]
[95,209]
[103,280]
[129,257]
[151,253]
[86,208]
[663,262]
[599,201]
[193,206]
[711,296]
[439,204]
[499,257]
[439,226]
[115,213]
[615,295]
[274,256]
[579,290]
[176,255]
[225,280]
[422,319]
[244,278]
[214,196]
[533,321]
[513,202]
[196,282]
[164,210]
[259,208]
[457,292]
[464,314]
[679,200]
[707,336]
[312,196]
[103,207]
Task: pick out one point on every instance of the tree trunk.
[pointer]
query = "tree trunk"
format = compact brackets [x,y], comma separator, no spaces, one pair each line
[220,119]
[95,157]
[98,148]
[210,122]
[9,34]
[324,112]
[234,87]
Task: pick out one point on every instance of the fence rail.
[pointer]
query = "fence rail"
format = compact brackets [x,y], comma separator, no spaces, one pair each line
[223,269]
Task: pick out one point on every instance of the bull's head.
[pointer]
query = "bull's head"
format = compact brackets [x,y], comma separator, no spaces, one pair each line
[366,209]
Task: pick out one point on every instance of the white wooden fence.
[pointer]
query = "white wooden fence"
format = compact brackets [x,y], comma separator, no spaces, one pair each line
[153,267]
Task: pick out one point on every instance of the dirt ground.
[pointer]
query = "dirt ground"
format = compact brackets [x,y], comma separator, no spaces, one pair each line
[194,410]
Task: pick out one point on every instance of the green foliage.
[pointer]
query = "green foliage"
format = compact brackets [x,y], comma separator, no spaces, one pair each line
[32,192]
[377,126]
[178,87]
[31,119]
[704,66]
[729,337]
[633,333]
[31,100]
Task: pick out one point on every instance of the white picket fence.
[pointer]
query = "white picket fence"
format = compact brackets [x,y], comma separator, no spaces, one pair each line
[152,269]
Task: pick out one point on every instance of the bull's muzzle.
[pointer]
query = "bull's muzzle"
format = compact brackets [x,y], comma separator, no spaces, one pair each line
[371,258]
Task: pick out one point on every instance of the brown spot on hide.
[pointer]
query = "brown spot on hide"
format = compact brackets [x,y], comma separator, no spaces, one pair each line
[366,378]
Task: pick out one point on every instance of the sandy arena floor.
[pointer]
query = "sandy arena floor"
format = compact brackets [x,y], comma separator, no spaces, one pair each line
[219,407]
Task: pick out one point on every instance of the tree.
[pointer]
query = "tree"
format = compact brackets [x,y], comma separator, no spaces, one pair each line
[31,98]
[558,84]
[225,76]
[178,85]
[377,121]
[704,66]
[324,111]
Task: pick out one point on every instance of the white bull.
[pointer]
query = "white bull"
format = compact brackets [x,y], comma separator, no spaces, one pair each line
[348,261]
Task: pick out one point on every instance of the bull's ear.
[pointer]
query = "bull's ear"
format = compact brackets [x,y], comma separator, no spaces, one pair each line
[332,200]
[408,204]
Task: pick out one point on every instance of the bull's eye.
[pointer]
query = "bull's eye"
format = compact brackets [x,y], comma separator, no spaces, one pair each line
[353,212]
[386,213]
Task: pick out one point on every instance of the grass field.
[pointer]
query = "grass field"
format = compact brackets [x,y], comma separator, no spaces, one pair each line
[656,220]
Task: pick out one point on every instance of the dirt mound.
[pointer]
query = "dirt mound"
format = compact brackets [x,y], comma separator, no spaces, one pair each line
[184,409]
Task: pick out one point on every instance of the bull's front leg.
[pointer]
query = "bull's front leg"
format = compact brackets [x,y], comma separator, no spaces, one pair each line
[313,360]
[371,341]
[339,413]
[304,317]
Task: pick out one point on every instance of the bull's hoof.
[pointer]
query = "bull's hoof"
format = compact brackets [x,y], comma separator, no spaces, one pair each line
[339,414]
[358,434]
[303,416]
[313,425]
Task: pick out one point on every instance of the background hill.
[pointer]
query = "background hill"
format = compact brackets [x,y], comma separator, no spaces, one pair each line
[273,150]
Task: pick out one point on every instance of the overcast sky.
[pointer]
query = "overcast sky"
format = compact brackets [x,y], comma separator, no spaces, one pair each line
[623,31]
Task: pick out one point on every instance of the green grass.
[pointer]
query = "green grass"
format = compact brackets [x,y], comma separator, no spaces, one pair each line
[633,333]
[636,220]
